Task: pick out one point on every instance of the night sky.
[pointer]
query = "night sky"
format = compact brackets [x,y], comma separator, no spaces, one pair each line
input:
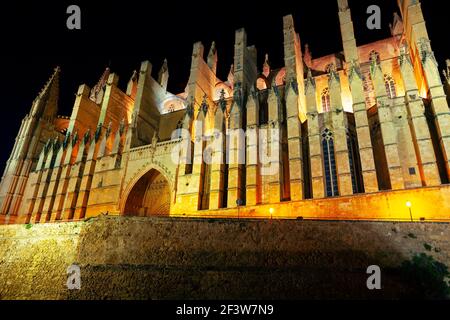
[34,39]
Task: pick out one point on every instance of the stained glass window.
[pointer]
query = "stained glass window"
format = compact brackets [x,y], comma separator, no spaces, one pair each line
[390,86]
[331,184]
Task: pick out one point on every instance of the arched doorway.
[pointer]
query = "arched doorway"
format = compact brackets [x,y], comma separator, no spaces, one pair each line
[150,196]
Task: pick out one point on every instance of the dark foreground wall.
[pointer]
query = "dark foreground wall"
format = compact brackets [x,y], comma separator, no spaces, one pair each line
[162,258]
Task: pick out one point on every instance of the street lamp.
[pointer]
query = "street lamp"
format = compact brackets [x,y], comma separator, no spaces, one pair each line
[409,205]
[271,211]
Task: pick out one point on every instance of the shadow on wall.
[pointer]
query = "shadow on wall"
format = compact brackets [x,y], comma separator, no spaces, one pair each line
[429,278]
[163,258]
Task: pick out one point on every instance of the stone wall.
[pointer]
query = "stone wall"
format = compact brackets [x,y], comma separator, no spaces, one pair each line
[162,258]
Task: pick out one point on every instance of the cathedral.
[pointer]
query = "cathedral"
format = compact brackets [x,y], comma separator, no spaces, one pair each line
[362,134]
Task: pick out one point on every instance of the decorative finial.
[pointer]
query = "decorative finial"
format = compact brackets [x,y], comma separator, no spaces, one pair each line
[204,105]
[154,139]
[266,66]
[307,56]
[222,102]
[66,140]
[343,5]
[75,138]
[98,131]
[108,129]
[87,136]
[310,82]
[122,126]
[213,48]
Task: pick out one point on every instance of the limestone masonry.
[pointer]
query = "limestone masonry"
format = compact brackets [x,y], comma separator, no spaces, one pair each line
[361,134]
[163,258]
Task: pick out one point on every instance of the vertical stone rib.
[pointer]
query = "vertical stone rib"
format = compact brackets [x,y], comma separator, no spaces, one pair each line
[357,91]
[388,130]
[253,190]
[295,106]
[314,139]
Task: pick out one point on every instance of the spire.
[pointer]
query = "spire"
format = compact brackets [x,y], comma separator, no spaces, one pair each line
[347,31]
[54,78]
[310,85]
[132,85]
[222,102]
[204,106]
[333,76]
[266,66]
[343,5]
[97,91]
[308,56]
[374,63]
[212,58]
[396,27]
[446,71]
[230,77]
[163,75]
[46,103]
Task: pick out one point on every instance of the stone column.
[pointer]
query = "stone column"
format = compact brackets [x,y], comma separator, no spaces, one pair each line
[359,106]
[87,174]
[75,176]
[35,182]
[39,213]
[245,72]
[253,188]
[314,138]
[197,169]
[53,184]
[273,171]
[340,127]
[431,83]
[295,106]
[294,132]
[388,130]
[416,113]
[66,165]
[362,129]
[236,156]
[217,158]
[439,102]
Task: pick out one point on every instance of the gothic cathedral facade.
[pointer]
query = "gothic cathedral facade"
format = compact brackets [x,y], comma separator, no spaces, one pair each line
[361,134]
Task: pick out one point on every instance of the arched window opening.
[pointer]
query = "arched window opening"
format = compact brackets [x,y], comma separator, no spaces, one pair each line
[330,67]
[261,84]
[331,184]
[374,55]
[149,196]
[390,86]
[326,101]
[280,79]
[355,165]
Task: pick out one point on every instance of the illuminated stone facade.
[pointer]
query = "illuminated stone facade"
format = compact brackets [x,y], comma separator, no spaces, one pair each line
[359,133]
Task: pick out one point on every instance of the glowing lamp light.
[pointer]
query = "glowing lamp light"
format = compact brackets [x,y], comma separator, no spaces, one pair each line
[409,205]
[271,210]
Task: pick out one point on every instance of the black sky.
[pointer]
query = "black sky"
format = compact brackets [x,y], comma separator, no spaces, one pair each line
[34,39]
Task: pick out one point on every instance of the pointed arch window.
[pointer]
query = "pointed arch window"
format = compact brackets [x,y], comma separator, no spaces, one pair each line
[326,101]
[390,86]
[375,55]
[261,83]
[329,67]
[331,184]
[355,163]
